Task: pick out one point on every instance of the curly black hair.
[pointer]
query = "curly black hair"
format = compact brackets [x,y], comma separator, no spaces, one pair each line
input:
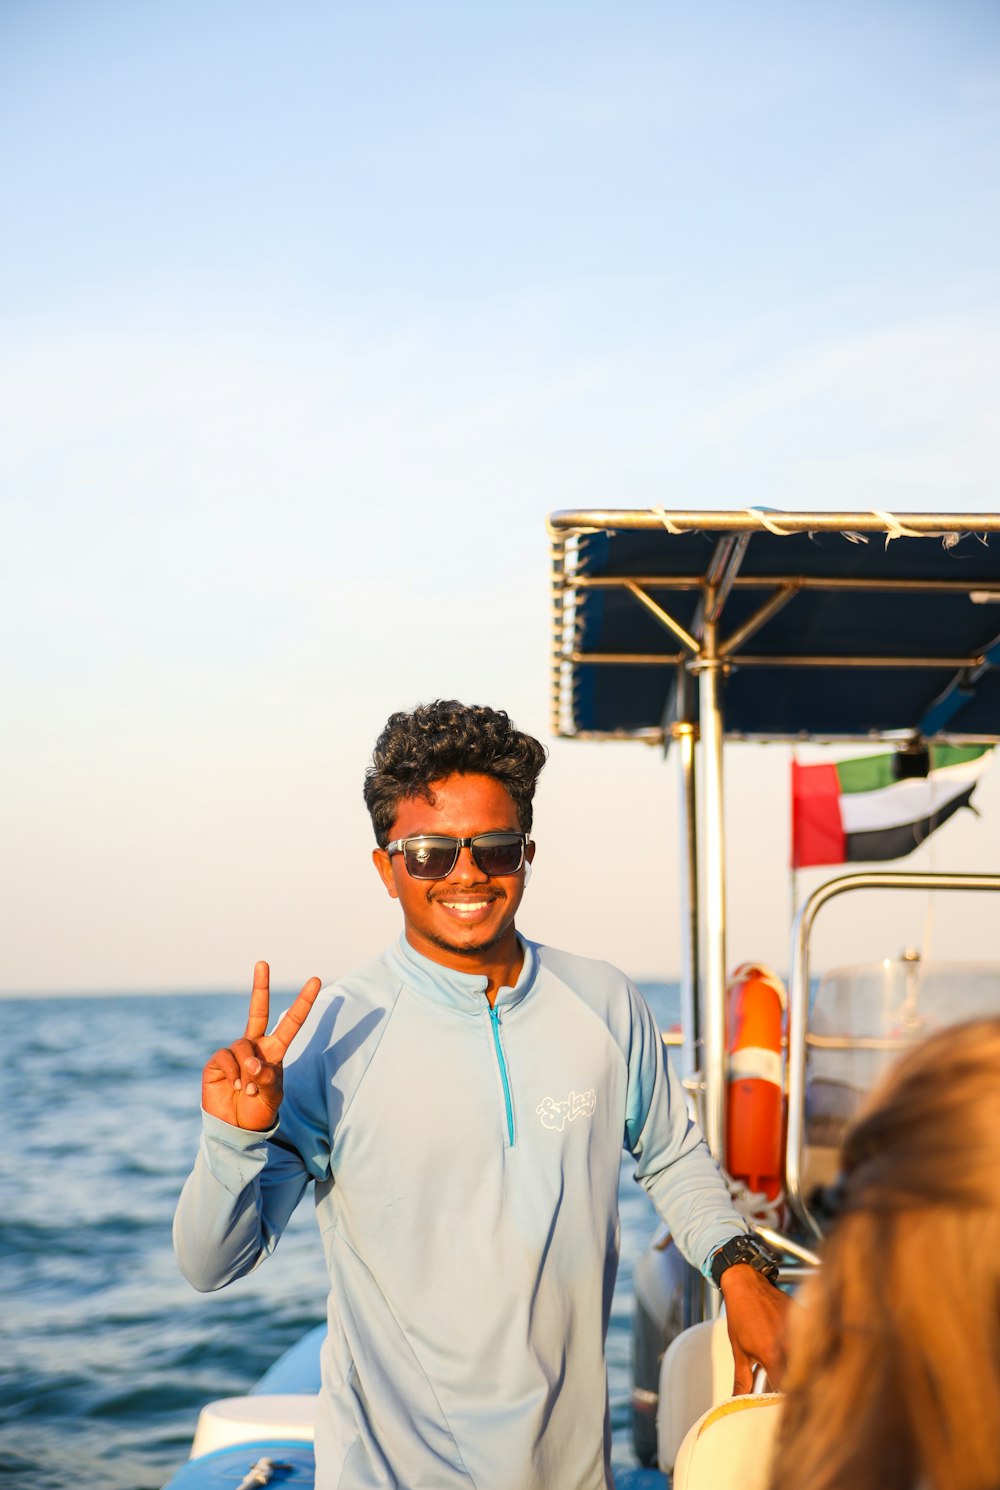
[447,738]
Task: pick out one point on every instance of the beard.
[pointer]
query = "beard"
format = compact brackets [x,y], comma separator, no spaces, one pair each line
[484,943]
[467,949]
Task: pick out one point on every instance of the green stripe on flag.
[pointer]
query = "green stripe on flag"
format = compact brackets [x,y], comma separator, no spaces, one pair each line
[956,755]
[872,773]
[868,774]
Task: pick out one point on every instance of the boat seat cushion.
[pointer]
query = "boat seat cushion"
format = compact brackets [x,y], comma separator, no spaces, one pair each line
[696,1373]
[730,1447]
[231,1420]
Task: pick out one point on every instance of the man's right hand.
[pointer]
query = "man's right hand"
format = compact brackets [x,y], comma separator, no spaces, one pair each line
[242,1084]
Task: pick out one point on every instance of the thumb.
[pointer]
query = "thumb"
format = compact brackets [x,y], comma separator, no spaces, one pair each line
[743,1379]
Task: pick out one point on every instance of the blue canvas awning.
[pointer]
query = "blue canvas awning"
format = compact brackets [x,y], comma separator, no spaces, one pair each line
[828,626]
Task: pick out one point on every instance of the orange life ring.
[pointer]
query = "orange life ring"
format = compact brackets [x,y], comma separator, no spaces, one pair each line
[755,1006]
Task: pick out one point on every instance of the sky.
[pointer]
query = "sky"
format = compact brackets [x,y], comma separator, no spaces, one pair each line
[310,314]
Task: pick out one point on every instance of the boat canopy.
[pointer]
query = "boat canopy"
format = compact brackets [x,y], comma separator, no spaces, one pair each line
[824,626]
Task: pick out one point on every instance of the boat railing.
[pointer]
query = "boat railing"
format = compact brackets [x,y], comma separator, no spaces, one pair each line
[804,1262]
[857,1042]
[801,1040]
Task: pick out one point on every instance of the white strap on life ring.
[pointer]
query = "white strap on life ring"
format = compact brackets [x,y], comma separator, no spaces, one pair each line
[756,1063]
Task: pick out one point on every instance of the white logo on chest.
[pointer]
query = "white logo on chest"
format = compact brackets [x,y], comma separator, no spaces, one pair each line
[555,1114]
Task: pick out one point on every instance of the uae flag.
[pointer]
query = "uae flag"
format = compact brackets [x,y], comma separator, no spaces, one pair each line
[881,806]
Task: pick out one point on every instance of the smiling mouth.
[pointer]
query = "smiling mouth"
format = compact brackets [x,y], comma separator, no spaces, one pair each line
[467,907]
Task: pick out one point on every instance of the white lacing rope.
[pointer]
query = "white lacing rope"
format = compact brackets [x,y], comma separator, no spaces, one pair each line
[664,517]
[894,528]
[762,514]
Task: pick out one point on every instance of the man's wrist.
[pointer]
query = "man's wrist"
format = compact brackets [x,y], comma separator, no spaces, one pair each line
[743,1250]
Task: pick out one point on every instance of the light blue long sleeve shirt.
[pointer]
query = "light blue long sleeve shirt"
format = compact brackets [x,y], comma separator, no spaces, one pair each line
[465,1164]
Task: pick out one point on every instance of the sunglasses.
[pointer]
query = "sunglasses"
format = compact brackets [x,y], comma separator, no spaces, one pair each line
[433,856]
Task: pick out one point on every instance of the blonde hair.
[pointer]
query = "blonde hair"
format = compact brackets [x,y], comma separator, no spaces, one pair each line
[894,1357]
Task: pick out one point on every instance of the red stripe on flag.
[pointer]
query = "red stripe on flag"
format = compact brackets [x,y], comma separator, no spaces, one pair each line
[817,830]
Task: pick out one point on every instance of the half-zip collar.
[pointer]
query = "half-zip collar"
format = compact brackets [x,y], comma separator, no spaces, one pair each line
[465,993]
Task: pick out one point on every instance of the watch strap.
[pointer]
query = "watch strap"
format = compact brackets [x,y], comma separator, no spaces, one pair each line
[744,1249]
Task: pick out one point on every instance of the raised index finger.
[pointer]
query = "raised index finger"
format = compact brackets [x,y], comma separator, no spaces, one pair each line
[294,1018]
[259,1003]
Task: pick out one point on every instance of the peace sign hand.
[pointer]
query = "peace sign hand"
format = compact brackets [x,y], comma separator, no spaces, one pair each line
[242,1085]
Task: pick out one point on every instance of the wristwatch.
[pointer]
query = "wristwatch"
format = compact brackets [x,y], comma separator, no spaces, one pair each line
[743,1248]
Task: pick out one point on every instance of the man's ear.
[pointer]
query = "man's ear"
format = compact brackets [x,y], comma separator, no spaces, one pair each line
[383,866]
[529,850]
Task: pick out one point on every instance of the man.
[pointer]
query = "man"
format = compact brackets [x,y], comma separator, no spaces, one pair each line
[460,1105]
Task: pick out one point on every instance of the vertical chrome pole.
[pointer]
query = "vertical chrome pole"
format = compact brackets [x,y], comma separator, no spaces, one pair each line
[714,983]
[685,735]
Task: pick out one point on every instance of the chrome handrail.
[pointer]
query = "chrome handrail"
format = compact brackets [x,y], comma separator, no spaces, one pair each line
[778,1242]
[798,996]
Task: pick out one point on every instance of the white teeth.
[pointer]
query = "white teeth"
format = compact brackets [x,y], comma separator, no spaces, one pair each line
[465,905]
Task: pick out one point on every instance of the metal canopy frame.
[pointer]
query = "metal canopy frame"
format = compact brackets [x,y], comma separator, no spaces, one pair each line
[689,605]
[711,591]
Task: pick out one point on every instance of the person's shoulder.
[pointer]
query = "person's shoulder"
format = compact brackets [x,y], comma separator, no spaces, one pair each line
[604,988]
[364,996]
[380,974]
[601,987]
[581,973]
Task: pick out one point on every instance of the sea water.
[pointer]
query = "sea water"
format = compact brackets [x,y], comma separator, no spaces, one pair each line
[107,1353]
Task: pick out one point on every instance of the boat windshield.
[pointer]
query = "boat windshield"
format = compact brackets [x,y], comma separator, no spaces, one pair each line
[862,1019]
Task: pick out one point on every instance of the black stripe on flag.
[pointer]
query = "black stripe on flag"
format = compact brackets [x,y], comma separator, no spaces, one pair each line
[897,842]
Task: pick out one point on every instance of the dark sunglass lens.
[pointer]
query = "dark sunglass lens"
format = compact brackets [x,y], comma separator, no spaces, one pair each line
[429,858]
[499,854]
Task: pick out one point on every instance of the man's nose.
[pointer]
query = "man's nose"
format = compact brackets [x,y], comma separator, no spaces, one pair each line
[467,869]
